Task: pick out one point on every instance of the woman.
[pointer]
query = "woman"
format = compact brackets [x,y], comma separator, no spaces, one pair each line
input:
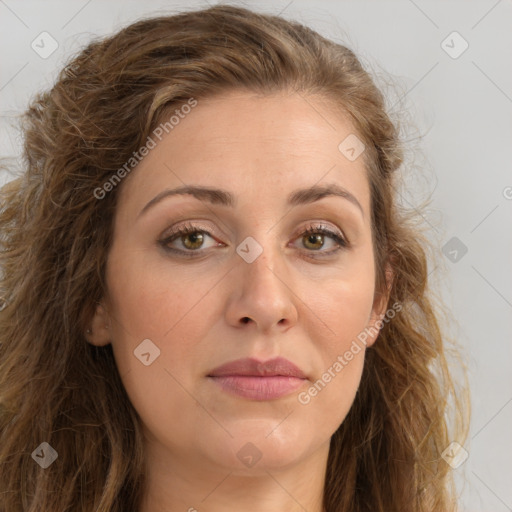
[212,299]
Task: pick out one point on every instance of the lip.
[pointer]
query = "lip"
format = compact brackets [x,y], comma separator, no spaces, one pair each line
[259,380]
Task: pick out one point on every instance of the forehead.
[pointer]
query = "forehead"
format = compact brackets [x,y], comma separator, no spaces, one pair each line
[252,145]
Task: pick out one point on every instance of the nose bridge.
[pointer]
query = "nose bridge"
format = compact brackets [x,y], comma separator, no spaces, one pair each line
[260,237]
[263,293]
[262,260]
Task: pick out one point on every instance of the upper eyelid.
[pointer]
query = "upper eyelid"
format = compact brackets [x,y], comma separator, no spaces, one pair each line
[313,226]
[317,213]
[196,224]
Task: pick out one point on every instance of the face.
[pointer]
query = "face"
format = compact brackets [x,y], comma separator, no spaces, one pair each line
[266,273]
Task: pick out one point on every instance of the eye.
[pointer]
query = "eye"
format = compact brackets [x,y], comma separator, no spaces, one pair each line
[313,239]
[190,237]
[192,240]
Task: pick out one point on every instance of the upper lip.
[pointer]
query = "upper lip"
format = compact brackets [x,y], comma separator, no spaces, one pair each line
[253,367]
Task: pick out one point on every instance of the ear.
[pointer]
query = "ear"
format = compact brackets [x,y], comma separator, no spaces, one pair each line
[99,331]
[379,307]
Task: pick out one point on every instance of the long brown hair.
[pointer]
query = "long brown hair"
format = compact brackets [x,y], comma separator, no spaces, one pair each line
[55,236]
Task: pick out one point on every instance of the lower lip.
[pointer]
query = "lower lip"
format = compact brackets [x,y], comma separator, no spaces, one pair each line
[259,388]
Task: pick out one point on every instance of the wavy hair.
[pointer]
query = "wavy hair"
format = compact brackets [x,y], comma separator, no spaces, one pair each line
[55,237]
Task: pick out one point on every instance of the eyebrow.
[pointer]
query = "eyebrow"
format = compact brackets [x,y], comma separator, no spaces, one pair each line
[225,198]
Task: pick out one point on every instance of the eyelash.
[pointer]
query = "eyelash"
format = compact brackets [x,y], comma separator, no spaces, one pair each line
[191,228]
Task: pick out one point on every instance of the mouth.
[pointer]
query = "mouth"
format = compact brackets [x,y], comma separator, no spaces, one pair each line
[257,380]
[259,388]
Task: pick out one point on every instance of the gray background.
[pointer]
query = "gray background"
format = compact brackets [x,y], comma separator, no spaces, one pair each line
[459,117]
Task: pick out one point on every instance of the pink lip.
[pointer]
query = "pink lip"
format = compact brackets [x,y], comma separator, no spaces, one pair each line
[259,380]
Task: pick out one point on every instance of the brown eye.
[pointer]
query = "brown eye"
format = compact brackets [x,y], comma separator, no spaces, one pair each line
[192,240]
[187,240]
[314,239]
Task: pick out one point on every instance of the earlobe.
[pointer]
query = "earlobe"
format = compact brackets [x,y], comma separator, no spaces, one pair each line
[380,304]
[98,332]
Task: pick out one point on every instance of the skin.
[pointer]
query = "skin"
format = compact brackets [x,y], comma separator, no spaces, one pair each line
[304,309]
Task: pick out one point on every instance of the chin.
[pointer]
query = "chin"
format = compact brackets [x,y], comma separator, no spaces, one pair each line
[258,446]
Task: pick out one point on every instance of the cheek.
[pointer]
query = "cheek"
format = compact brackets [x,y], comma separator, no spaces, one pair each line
[339,355]
[149,302]
[342,309]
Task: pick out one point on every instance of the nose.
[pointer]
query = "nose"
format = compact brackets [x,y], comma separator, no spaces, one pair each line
[263,294]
